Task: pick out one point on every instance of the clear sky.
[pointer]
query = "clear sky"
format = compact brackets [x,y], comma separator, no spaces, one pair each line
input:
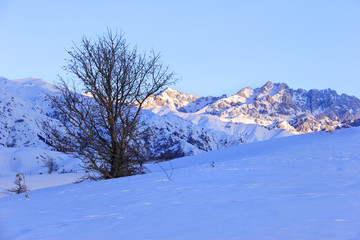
[215,47]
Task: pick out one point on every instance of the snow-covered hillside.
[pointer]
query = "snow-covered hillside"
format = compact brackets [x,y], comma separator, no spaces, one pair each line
[24,107]
[299,187]
[183,124]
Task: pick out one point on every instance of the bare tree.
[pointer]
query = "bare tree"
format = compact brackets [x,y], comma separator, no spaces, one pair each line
[103,127]
[49,163]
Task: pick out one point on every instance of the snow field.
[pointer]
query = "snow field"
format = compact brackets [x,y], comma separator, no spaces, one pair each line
[299,187]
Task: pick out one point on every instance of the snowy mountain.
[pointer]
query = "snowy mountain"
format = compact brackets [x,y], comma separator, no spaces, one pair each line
[274,106]
[24,107]
[183,124]
[300,187]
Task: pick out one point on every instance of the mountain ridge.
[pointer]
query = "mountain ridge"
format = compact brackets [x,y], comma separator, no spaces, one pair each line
[274,105]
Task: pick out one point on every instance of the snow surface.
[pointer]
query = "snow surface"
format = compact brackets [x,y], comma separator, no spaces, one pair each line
[28,160]
[299,187]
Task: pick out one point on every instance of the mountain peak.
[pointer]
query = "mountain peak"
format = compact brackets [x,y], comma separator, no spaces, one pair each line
[169,89]
[281,86]
[35,82]
[245,92]
[268,84]
[172,92]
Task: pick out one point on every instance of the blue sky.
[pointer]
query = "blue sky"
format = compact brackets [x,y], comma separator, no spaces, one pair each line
[215,47]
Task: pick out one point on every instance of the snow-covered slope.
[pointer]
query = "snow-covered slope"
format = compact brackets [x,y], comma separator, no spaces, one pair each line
[24,107]
[299,187]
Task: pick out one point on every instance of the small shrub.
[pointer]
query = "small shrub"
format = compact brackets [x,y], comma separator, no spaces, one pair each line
[20,186]
[168,175]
